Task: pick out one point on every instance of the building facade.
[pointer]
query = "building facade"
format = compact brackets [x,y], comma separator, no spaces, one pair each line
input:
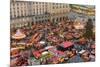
[23,13]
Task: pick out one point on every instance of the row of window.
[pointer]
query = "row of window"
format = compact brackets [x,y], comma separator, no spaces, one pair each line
[16,14]
[44,16]
[26,3]
[30,3]
[55,7]
[25,8]
[26,12]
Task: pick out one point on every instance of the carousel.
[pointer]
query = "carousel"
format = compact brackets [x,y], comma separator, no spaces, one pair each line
[18,35]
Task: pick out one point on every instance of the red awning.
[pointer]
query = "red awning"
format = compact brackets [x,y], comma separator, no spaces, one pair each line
[36,54]
[67,44]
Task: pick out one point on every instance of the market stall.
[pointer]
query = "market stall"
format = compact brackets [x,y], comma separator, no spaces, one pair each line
[65,45]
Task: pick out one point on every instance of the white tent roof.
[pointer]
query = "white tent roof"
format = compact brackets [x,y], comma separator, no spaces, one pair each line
[18,35]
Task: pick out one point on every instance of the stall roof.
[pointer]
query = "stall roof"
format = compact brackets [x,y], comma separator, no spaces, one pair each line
[37,54]
[67,44]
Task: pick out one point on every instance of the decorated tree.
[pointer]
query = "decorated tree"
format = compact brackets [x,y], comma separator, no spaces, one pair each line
[89,30]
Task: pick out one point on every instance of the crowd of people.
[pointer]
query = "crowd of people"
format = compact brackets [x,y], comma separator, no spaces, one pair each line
[42,35]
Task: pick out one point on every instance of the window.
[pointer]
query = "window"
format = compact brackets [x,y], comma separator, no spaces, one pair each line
[13,8]
[56,3]
[36,12]
[63,6]
[56,6]
[60,6]
[66,6]
[21,10]
[21,14]
[53,3]
[43,3]
[17,4]
[36,2]
[18,12]
[53,7]
[14,15]
[10,14]
[39,2]
[13,4]
[17,8]
[33,13]
[21,3]
[24,3]
[40,11]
